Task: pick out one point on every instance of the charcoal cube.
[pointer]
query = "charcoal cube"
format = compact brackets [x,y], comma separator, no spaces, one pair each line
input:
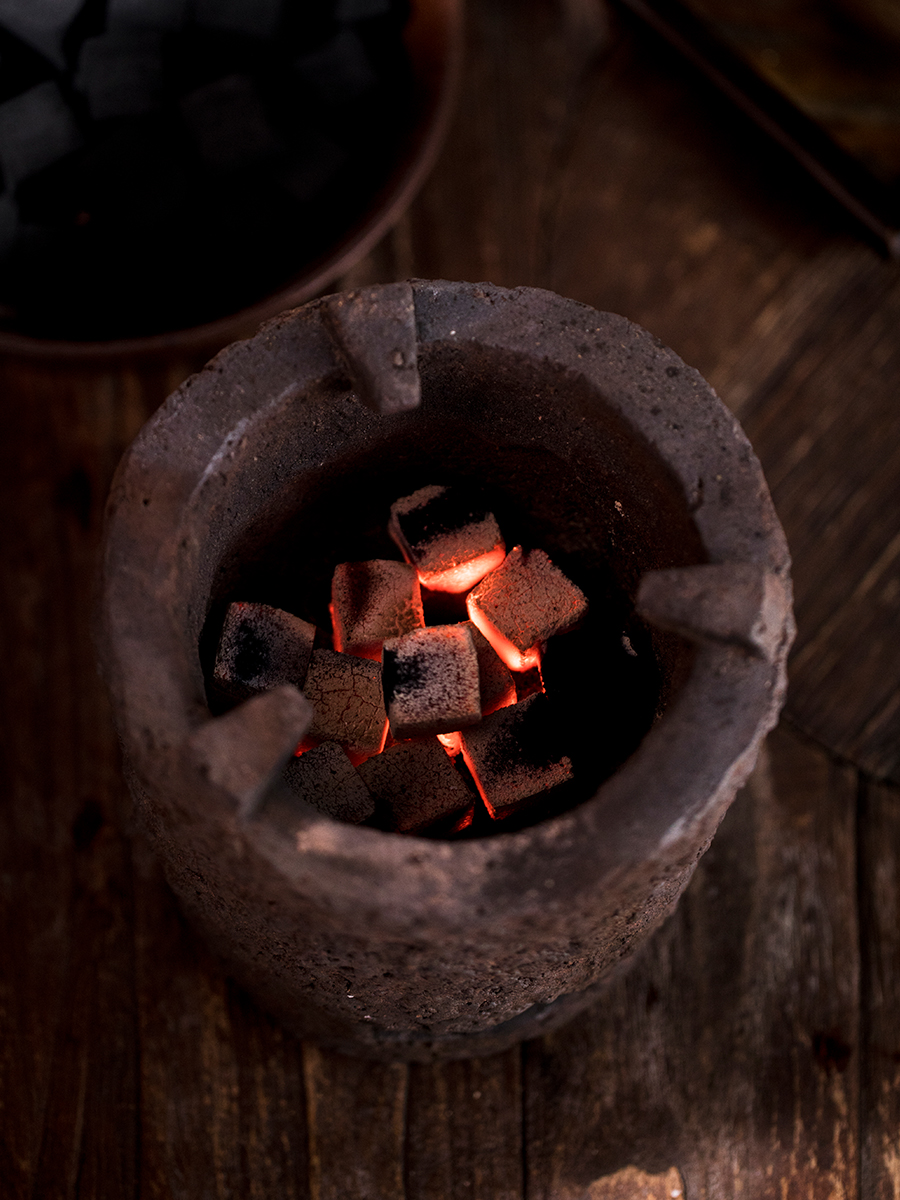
[325,778]
[430,679]
[448,535]
[417,783]
[514,755]
[228,124]
[522,603]
[145,14]
[37,128]
[495,680]
[339,71]
[372,601]
[257,18]
[261,647]
[41,24]
[120,73]
[345,693]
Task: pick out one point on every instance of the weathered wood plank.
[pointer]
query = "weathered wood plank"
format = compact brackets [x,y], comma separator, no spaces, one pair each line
[730,1052]
[879,878]
[356,1111]
[464,1130]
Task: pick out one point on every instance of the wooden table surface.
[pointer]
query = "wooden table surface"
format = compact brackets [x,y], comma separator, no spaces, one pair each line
[754,1050]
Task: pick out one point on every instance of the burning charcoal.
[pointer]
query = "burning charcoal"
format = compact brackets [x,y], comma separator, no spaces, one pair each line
[430,679]
[418,783]
[325,778]
[513,756]
[36,129]
[121,73]
[258,18]
[451,539]
[345,693]
[41,24]
[496,683]
[529,683]
[145,14]
[339,71]
[522,603]
[261,647]
[373,601]
[229,125]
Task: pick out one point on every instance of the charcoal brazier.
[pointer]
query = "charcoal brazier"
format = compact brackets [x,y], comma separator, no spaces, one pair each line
[280,459]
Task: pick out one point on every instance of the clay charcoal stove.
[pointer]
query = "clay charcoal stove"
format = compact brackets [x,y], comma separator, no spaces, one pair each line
[432,928]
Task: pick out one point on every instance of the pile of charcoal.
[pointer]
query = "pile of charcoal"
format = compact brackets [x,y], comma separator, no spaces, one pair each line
[169,162]
[420,727]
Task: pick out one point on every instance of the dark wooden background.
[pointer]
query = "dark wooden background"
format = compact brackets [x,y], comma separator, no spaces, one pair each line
[755,1049]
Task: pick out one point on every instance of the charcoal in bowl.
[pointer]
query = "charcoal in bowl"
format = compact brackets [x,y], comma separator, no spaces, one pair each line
[133,213]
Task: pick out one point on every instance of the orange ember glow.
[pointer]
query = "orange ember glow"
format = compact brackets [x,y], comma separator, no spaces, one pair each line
[515,659]
[452,742]
[462,576]
[492,812]
[465,820]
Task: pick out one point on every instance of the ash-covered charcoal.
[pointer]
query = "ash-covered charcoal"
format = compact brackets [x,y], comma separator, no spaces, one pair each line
[325,778]
[371,602]
[345,693]
[416,784]
[430,679]
[261,647]
[522,603]
[448,535]
[514,755]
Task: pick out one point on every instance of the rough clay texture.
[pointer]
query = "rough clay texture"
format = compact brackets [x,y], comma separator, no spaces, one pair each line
[373,601]
[417,783]
[528,599]
[449,948]
[431,681]
[325,778]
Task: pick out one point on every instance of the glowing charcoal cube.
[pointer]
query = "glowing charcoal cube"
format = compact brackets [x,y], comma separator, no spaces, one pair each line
[523,603]
[495,680]
[417,784]
[373,601]
[430,679]
[514,755]
[261,647]
[449,537]
[325,778]
[345,693]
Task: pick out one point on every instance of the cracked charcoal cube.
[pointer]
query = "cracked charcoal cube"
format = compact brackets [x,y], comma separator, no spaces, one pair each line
[339,71]
[121,73]
[497,685]
[37,128]
[41,24]
[228,123]
[522,603]
[448,535]
[145,14]
[431,683]
[261,647]
[514,755]
[325,778]
[372,601]
[258,18]
[345,693]
[417,783]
